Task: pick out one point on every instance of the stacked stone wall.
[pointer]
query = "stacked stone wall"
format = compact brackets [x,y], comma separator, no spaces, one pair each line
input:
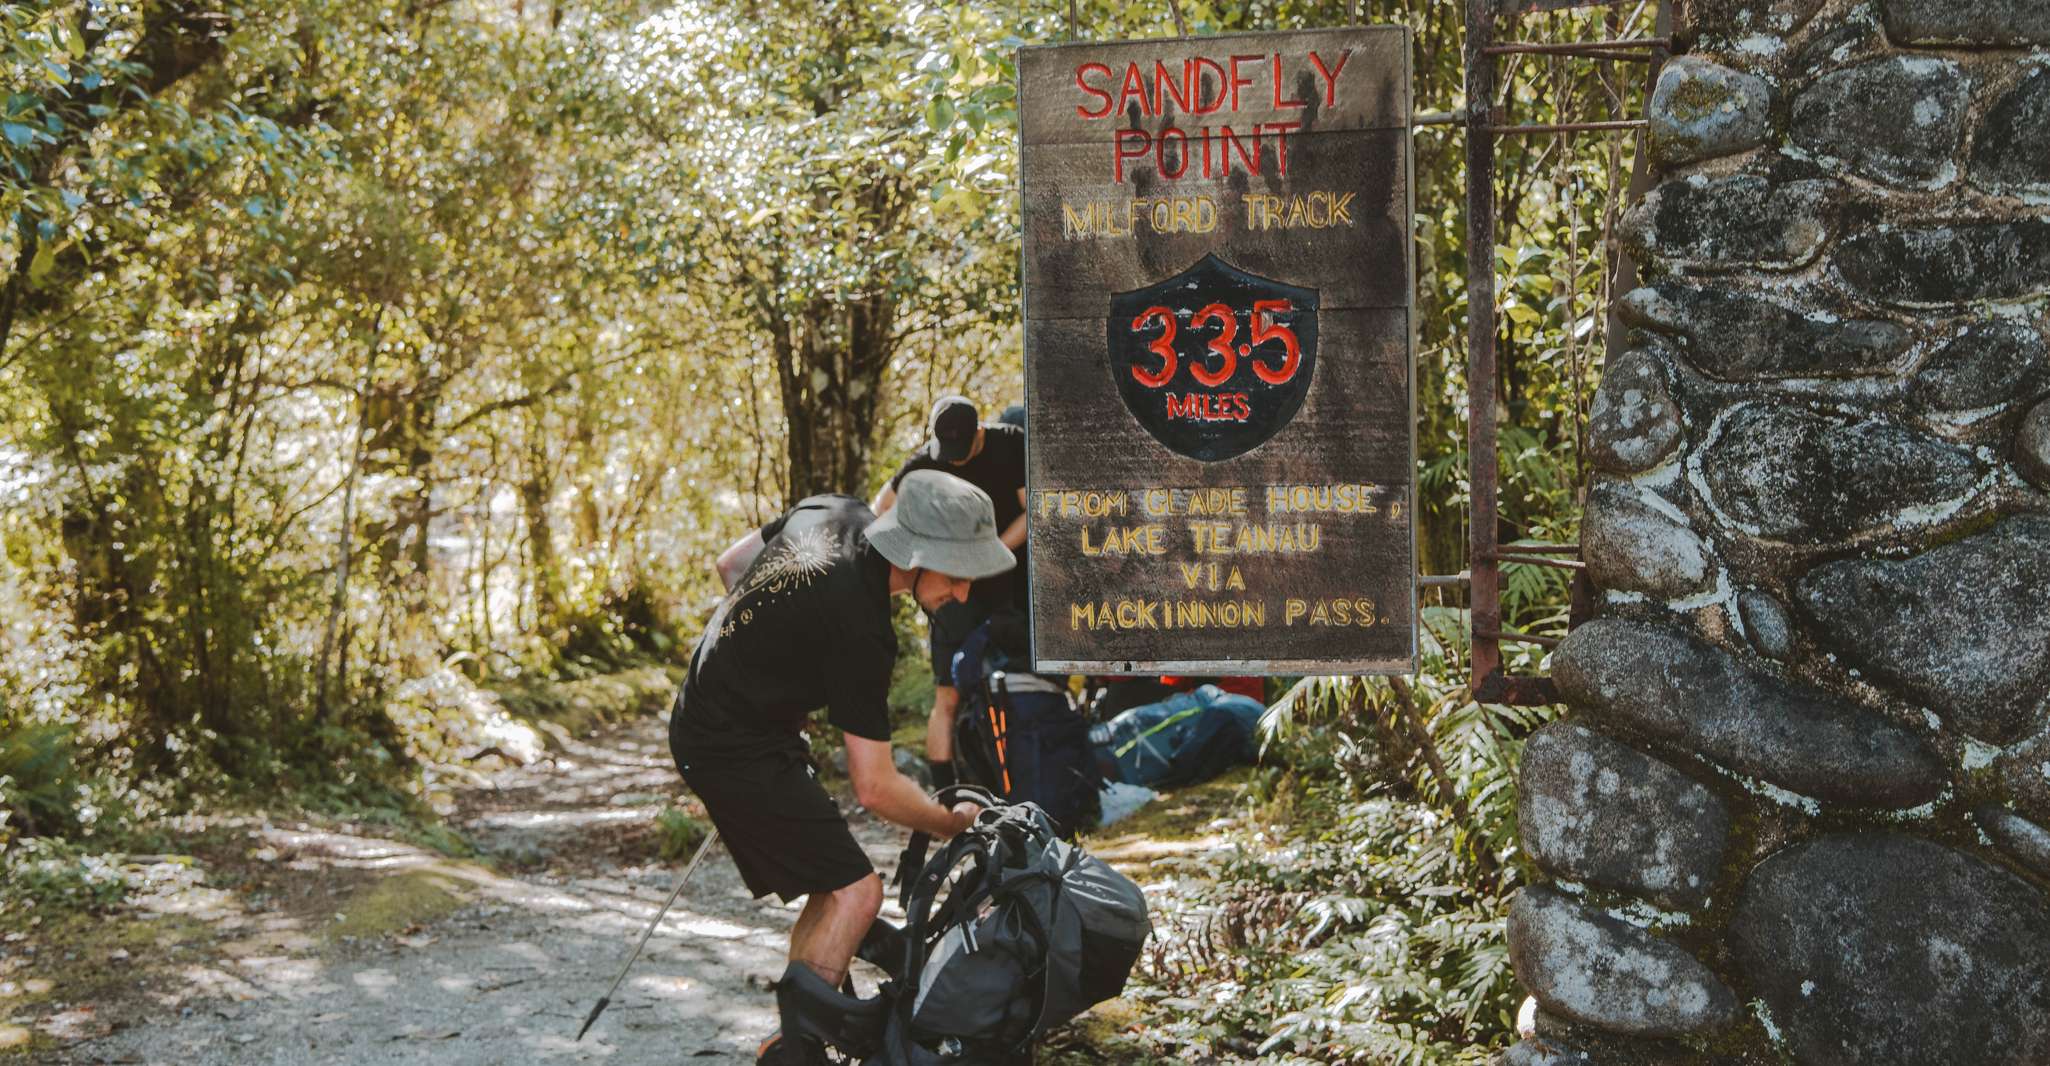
[1800,808]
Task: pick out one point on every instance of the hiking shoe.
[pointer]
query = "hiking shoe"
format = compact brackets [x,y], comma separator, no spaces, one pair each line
[792,1051]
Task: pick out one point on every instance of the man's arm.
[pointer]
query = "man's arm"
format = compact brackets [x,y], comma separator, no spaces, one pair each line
[895,798]
[1014,534]
[737,557]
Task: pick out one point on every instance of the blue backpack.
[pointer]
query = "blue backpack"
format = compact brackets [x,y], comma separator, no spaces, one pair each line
[1190,737]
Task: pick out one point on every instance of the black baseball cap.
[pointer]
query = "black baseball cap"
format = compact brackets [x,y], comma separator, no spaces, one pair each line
[953,424]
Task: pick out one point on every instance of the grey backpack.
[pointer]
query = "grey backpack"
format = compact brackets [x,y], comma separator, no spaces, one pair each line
[1009,932]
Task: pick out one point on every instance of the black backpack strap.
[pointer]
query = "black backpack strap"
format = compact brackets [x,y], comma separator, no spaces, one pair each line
[912,859]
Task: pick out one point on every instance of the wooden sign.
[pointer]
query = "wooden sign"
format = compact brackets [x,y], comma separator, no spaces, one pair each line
[1218,353]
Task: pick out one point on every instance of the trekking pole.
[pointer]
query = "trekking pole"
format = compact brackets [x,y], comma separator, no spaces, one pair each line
[606,1000]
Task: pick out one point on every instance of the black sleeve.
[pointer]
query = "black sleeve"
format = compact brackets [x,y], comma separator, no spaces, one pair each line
[860,703]
[1002,472]
[917,461]
[1014,456]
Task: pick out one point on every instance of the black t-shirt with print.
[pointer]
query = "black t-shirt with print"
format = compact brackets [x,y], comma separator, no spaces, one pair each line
[999,470]
[807,626]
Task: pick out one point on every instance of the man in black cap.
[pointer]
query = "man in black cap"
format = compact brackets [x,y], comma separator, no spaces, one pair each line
[990,456]
[807,625]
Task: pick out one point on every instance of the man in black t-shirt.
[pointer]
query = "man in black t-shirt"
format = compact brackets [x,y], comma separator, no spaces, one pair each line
[990,456]
[806,624]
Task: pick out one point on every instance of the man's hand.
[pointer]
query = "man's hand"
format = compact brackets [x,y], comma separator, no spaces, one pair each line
[966,813]
[895,798]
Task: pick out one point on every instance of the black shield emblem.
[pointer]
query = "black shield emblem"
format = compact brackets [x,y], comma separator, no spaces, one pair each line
[1213,361]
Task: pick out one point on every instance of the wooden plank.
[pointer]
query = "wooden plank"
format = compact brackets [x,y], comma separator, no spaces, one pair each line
[1344,202]
[1219,370]
[1346,79]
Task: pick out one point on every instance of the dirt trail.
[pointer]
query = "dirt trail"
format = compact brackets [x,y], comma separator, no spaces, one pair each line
[346,947]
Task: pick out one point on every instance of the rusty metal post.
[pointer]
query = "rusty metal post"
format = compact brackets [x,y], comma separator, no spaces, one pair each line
[1484,599]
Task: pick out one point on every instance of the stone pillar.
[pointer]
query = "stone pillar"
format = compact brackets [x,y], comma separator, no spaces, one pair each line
[1798,810]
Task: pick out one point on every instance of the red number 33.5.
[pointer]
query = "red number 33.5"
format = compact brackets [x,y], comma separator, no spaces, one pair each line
[1265,329]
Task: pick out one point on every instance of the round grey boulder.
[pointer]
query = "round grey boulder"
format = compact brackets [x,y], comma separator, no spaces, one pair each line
[1592,810]
[1767,623]
[2032,446]
[1723,24]
[1899,120]
[1739,222]
[1884,948]
[1734,336]
[1664,683]
[1941,265]
[1631,545]
[1987,363]
[2024,841]
[1602,971]
[1964,628]
[1633,424]
[1701,109]
[1968,22]
[2011,151]
[1786,473]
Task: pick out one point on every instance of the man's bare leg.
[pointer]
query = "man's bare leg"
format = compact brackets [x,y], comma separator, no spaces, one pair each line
[807,920]
[830,928]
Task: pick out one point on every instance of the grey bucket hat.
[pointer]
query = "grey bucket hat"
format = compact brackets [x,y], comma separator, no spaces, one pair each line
[943,524]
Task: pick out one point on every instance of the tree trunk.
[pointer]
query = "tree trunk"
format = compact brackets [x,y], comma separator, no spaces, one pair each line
[830,361]
[535,491]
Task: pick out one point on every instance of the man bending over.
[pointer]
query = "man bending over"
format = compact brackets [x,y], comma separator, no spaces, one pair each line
[807,625]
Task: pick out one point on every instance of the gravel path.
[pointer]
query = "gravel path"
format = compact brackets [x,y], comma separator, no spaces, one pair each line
[346,947]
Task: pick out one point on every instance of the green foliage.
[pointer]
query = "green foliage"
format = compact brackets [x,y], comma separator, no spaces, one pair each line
[50,875]
[1368,941]
[911,684]
[1365,924]
[679,833]
[38,782]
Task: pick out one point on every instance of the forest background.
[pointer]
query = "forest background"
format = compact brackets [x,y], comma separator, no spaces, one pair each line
[364,363]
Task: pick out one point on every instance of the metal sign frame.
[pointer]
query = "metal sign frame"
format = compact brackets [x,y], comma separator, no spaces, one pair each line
[1486,555]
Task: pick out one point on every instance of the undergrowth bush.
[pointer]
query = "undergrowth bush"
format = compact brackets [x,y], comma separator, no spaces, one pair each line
[43,873]
[1362,923]
[680,833]
[38,782]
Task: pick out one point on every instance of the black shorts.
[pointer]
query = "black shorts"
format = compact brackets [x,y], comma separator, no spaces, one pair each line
[782,829]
